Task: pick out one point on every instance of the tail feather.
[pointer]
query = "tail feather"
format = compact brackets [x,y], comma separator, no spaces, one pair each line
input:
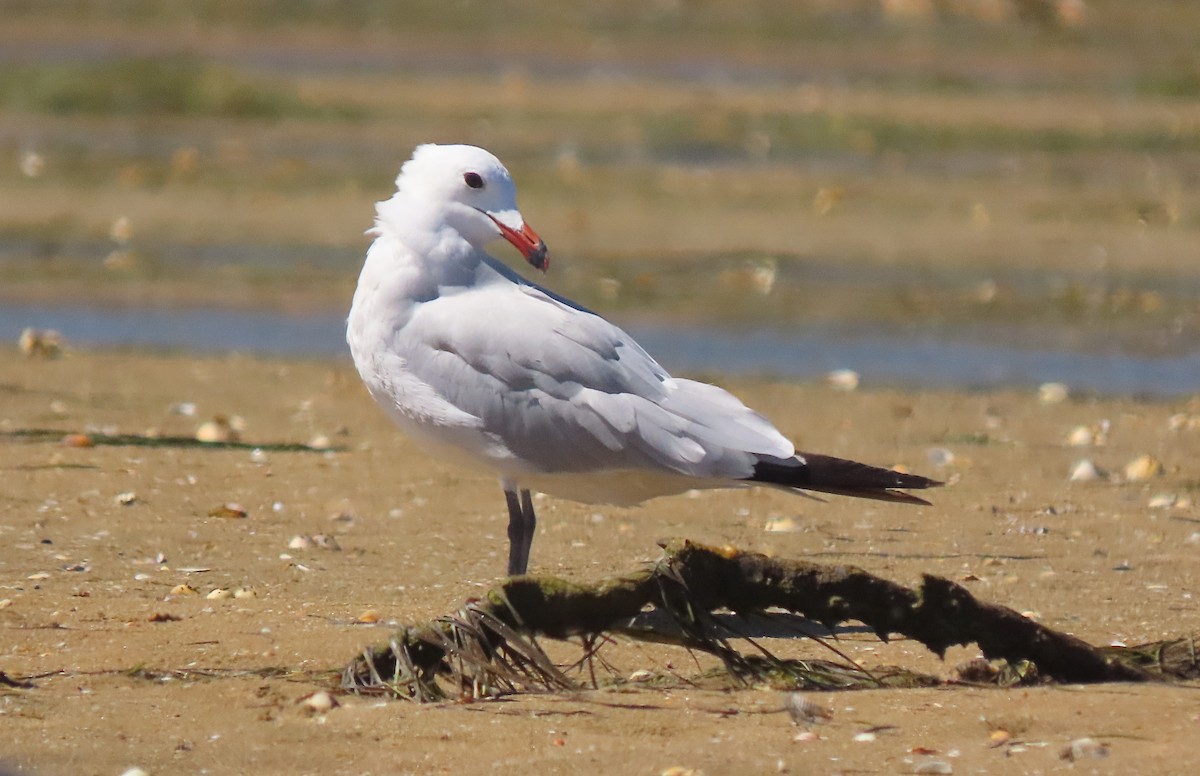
[839,476]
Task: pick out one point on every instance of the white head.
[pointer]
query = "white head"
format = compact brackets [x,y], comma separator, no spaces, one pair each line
[475,194]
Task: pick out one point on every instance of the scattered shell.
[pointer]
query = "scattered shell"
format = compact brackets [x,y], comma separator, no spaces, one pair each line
[320,541]
[641,675]
[258,456]
[37,576]
[184,589]
[1053,393]
[127,498]
[1085,471]
[1143,468]
[781,525]
[78,440]
[805,712]
[1168,501]
[5,603]
[865,737]
[933,766]
[220,430]
[121,230]
[185,408]
[679,770]
[319,702]
[842,380]
[999,737]
[1082,748]
[369,617]
[134,771]
[220,594]
[228,509]
[245,592]
[805,735]
[32,164]
[320,442]
[40,343]
[939,456]
[1086,436]
[1183,422]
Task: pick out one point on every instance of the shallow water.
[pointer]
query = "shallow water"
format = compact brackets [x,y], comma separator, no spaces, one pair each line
[915,359]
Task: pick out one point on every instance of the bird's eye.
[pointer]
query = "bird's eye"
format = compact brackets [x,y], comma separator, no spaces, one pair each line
[473,179]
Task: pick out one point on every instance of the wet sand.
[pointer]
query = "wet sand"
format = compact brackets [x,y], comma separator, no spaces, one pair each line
[124,672]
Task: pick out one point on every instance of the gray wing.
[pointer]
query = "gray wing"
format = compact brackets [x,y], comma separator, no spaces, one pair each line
[567,391]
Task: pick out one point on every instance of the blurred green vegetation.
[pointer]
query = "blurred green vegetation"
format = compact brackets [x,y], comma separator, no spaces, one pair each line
[170,85]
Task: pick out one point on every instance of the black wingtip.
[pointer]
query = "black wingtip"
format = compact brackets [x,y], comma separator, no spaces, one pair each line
[842,477]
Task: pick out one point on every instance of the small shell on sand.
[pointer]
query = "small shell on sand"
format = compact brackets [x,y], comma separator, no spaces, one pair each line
[1169,501]
[40,343]
[781,525]
[804,711]
[1053,393]
[1089,435]
[843,380]
[184,589]
[219,594]
[1143,468]
[1083,748]
[228,509]
[1085,471]
[319,702]
[1182,421]
[221,430]
[78,440]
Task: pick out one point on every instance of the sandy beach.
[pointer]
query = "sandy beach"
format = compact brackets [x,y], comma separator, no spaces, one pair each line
[113,665]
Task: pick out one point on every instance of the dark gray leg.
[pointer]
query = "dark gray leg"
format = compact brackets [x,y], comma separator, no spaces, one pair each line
[522,523]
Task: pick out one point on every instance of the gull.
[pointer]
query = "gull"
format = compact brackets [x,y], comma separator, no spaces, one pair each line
[485,368]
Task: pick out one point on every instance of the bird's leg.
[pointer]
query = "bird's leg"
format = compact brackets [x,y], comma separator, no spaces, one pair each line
[521,524]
